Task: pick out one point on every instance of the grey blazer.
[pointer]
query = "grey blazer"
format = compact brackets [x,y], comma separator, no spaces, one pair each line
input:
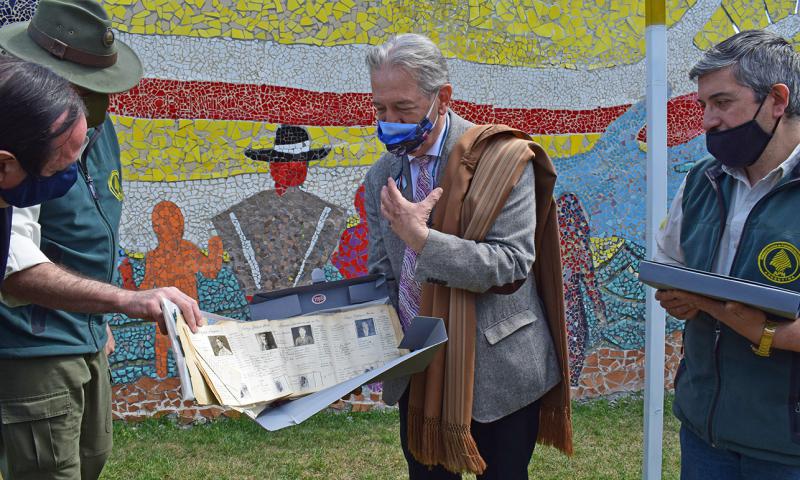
[515,360]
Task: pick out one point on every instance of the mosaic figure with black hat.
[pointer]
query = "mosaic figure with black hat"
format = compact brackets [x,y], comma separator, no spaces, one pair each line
[271,232]
[288,159]
[53,364]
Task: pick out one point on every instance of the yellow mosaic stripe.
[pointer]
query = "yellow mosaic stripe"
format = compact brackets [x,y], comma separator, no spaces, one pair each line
[532,33]
[744,15]
[561,146]
[604,249]
[163,150]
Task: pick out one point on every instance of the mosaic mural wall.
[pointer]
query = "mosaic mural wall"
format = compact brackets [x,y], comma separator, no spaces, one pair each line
[218,205]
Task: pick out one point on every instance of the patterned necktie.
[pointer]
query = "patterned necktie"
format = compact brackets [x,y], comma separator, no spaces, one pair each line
[410,289]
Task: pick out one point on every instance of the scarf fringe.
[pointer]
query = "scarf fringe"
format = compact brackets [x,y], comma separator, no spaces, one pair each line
[555,428]
[460,451]
[424,436]
[432,443]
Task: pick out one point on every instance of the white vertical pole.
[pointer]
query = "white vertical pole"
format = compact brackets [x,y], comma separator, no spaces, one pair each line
[656,48]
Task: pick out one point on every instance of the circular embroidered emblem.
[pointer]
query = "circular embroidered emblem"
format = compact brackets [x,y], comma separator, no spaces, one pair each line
[779,262]
[318,299]
[108,37]
[115,185]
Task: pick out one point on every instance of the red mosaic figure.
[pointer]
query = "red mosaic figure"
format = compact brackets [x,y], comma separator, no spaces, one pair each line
[579,277]
[175,262]
[351,256]
[288,159]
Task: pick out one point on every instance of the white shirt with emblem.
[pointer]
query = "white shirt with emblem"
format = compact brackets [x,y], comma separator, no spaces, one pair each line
[742,201]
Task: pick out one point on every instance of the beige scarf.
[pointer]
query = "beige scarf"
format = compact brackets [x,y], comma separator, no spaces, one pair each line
[482,169]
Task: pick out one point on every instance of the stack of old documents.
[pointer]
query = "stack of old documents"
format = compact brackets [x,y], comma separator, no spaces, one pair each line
[248,365]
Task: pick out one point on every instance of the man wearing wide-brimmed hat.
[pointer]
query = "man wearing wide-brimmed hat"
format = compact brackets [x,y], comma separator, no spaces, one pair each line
[55,403]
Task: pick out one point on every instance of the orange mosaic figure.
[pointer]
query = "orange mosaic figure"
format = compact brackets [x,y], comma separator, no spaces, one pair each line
[175,262]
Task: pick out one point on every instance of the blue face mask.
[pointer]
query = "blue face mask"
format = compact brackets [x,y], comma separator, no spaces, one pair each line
[402,138]
[35,190]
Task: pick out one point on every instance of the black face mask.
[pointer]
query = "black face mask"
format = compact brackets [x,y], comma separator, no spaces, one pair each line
[740,146]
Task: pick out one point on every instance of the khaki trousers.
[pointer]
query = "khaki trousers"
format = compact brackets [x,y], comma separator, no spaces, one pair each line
[55,417]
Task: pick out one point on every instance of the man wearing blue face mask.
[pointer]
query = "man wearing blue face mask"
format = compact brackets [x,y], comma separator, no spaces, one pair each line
[501,315]
[737,392]
[41,134]
[63,255]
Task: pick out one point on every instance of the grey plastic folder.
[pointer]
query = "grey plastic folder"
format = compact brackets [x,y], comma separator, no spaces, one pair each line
[424,338]
[291,302]
[778,301]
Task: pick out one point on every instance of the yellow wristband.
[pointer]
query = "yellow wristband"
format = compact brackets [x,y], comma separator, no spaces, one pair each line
[765,344]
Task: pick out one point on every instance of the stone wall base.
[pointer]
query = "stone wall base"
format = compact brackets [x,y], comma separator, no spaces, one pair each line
[606,371]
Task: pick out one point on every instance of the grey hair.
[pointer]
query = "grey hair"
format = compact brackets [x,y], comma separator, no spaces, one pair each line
[759,59]
[416,54]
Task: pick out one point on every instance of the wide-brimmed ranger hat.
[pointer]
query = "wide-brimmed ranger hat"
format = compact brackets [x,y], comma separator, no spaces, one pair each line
[292,144]
[74,39]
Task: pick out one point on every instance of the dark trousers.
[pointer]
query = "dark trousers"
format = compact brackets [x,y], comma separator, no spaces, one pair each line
[506,445]
[701,461]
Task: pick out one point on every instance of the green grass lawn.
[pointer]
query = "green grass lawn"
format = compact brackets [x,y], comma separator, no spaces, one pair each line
[608,445]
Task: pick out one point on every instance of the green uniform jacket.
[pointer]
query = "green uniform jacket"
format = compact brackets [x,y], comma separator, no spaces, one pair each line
[79,232]
[724,393]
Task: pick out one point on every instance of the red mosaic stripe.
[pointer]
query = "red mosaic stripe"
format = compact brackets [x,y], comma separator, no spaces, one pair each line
[684,120]
[174,99]
[541,120]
